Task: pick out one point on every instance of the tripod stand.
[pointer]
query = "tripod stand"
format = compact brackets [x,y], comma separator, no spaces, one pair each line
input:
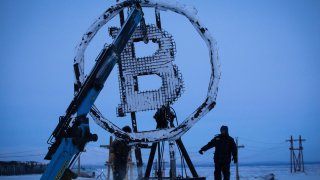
[165,116]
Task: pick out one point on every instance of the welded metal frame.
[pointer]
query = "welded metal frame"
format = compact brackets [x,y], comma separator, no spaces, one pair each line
[203,109]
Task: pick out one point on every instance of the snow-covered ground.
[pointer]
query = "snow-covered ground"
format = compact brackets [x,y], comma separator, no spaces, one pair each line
[250,172]
[256,172]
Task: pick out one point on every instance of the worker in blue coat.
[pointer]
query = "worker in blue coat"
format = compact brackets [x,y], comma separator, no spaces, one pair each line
[224,148]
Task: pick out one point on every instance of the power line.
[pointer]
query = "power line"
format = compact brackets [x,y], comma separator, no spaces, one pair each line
[29,155]
[257,148]
[261,142]
[19,152]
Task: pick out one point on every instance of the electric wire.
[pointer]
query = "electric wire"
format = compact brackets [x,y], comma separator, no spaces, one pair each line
[29,155]
[19,152]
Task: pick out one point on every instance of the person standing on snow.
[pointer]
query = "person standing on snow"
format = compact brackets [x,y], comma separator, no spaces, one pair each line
[119,151]
[224,148]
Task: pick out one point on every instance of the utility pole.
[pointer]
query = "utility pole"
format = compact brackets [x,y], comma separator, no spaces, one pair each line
[237,168]
[296,161]
[109,162]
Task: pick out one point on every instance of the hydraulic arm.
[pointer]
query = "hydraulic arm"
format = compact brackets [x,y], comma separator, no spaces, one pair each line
[69,139]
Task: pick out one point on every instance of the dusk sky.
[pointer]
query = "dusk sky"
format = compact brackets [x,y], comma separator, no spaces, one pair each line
[269,87]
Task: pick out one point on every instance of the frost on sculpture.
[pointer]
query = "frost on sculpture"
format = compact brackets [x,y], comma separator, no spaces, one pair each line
[133,100]
[160,63]
[72,132]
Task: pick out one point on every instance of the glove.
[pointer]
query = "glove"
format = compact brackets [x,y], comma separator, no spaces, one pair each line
[200,152]
[235,159]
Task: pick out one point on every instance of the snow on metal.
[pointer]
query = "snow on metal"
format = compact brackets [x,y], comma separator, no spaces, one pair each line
[203,109]
[160,63]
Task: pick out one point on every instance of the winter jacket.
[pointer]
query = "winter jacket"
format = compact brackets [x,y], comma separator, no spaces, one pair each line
[224,148]
[121,150]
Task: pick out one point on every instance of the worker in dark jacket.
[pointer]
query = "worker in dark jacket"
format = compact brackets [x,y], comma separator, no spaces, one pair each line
[224,148]
[119,156]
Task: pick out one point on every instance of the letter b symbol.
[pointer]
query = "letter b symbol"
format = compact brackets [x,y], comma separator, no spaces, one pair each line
[160,63]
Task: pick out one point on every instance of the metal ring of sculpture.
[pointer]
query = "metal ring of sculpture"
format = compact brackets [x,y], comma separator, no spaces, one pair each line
[159,134]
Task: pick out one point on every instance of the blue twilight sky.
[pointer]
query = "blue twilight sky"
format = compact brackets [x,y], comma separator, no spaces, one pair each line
[269,88]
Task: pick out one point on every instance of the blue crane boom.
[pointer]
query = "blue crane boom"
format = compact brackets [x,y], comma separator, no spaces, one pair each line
[69,139]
